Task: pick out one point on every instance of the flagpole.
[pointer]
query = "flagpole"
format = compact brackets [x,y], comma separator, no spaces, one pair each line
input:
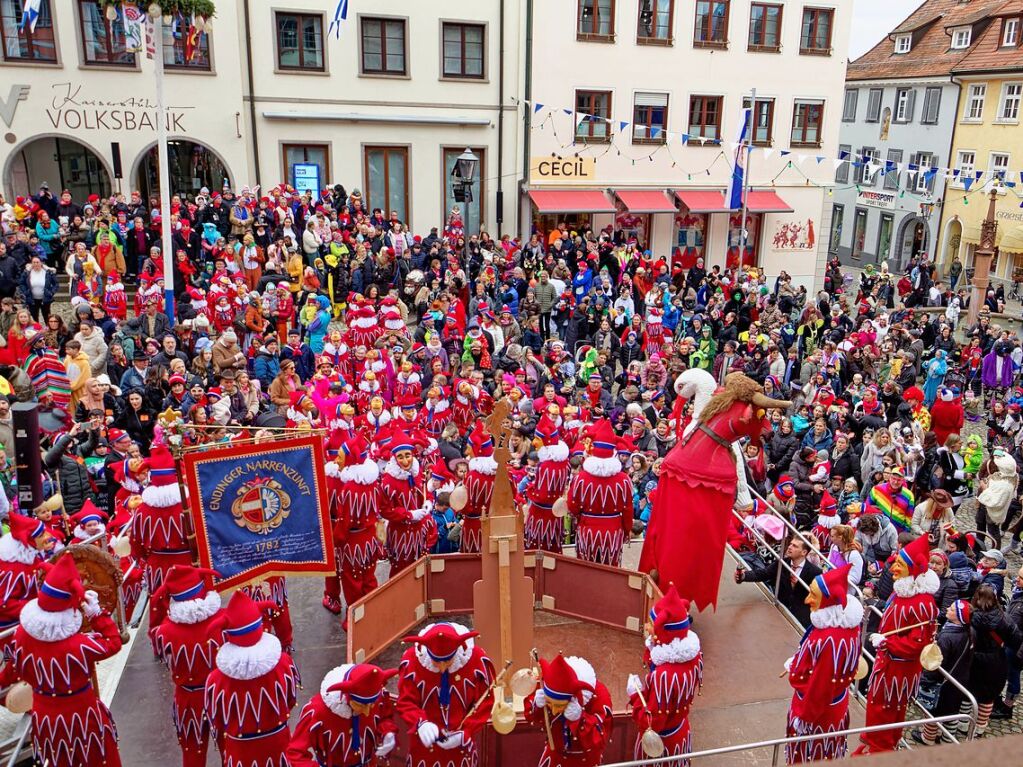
[164,170]
[746,176]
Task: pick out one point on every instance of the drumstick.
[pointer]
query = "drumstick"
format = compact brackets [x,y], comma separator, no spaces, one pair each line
[479,701]
[546,712]
[907,628]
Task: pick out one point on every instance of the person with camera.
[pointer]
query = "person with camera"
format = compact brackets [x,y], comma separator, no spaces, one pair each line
[66,459]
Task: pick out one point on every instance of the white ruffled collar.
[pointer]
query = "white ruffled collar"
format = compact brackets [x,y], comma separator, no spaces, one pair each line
[49,626]
[462,655]
[928,583]
[602,467]
[828,521]
[678,650]
[556,452]
[393,469]
[335,701]
[838,617]
[245,663]
[13,550]
[365,473]
[194,610]
[483,464]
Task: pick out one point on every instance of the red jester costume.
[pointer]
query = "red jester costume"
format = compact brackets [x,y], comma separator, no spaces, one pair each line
[479,486]
[543,530]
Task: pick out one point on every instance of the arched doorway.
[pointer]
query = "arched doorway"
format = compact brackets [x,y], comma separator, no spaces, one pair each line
[953,239]
[61,162]
[192,167]
[914,239]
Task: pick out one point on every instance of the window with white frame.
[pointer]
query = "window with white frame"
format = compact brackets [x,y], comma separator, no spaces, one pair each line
[871,159]
[1010,33]
[966,162]
[998,169]
[903,43]
[975,102]
[1008,109]
[924,180]
[961,37]
[904,100]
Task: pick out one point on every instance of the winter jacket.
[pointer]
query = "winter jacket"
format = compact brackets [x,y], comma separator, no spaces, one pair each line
[49,287]
[948,592]
[780,449]
[546,296]
[266,368]
[75,485]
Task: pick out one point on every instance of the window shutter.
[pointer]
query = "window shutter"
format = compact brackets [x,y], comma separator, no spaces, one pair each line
[651,99]
[932,103]
[910,105]
[933,164]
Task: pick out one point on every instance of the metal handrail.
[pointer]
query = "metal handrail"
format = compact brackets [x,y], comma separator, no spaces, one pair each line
[825,564]
[777,743]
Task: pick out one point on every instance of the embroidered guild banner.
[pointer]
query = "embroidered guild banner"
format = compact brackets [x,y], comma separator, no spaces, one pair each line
[261,510]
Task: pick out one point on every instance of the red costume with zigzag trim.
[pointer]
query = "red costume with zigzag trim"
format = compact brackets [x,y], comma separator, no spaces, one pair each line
[479,486]
[542,529]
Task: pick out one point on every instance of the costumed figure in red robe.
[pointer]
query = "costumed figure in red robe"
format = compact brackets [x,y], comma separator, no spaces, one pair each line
[674,679]
[692,504]
[479,486]
[947,415]
[368,390]
[251,692]
[408,384]
[349,722]
[896,673]
[355,530]
[158,536]
[440,678]
[543,530]
[578,713]
[187,640]
[71,727]
[410,527]
[374,420]
[363,329]
[463,406]
[823,668]
[284,313]
[600,498]
[827,518]
[115,300]
[21,552]
[436,411]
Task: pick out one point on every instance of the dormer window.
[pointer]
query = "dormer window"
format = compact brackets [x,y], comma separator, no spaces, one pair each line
[1010,33]
[961,37]
[903,43]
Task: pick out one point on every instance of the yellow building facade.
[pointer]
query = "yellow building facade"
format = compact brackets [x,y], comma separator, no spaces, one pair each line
[987,153]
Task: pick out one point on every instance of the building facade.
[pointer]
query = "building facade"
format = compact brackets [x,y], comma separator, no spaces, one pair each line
[270,96]
[898,119]
[634,110]
[987,152]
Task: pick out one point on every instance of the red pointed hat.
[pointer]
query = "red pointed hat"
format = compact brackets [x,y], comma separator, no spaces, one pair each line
[62,586]
[160,463]
[184,582]
[834,586]
[442,641]
[244,619]
[25,529]
[917,555]
[829,506]
[547,430]
[605,442]
[560,682]
[89,513]
[355,448]
[440,472]
[363,683]
[670,616]
[403,440]
[481,441]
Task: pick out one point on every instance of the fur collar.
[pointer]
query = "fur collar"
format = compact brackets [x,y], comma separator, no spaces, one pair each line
[364,322]
[378,420]
[365,473]
[13,550]
[50,627]
[162,496]
[371,387]
[838,617]
[462,656]
[411,378]
[440,407]
[194,610]
[335,701]
[602,467]
[393,469]
[584,671]
[331,469]
[928,583]
[81,535]
[556,452]
[485,464]
[678,650]
[829,521]
[246,663]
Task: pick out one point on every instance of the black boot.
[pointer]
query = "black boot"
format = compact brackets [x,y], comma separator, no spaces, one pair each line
[1001,710]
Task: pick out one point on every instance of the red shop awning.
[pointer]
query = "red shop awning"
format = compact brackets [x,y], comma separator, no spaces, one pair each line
[766,202]
[639,201]
[703,200]
[571,201]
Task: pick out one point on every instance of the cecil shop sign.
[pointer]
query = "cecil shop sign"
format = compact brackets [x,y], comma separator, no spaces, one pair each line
[70,109]
[562,169]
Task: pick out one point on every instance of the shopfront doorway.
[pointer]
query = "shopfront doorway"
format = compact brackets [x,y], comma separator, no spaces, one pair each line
[192,167]
[914,239]
[61,162]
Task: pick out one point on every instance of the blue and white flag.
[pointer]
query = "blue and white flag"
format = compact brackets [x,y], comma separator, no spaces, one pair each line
[340,14]
[739,168]
[30,14]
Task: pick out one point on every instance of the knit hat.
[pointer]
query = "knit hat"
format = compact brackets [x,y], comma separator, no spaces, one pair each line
[785,489]
[964,611]
[913,392]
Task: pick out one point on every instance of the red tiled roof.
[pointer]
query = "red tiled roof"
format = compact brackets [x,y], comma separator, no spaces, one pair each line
[987,53]
[930,55]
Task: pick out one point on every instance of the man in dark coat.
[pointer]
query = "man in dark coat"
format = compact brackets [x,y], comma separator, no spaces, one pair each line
[792,589]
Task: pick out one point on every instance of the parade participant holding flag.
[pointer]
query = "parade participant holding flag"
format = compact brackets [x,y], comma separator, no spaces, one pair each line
[823,668]
[662,699]
[349,722]
[71,727]
[187,640]
[907,626]
[574,709]
[441,678]
[601,498]
[251,692]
